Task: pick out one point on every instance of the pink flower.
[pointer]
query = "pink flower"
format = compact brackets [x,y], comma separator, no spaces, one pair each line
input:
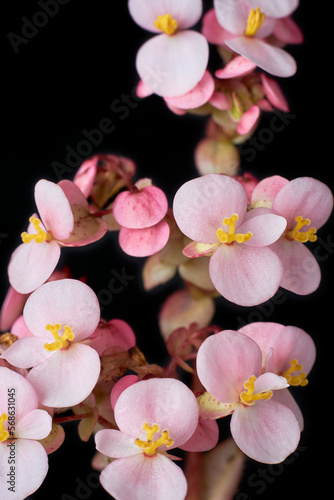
[114,333]
[229,367]
[306,204]
[140,214]
[173,62]
[23,460]
[287,351]
[154,416]
[60,315]
[247,25]
[64,221]
[212,211]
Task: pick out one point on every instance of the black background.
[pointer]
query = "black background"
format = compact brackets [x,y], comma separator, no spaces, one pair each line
[72,73]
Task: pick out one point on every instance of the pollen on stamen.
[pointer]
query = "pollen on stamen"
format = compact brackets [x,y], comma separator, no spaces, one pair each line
[150,446]
[59,342]
[40,236]
[166,23]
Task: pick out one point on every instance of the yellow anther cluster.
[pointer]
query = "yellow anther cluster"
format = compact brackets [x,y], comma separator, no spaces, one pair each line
[248,397]
[40,236]
[150,446]
[3,433]
[254,22]
[229,237]
[305,236]
[60,342]
[166,23]
[300,378]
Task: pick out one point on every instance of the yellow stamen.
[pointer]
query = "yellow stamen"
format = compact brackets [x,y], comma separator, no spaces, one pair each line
[166,23]
[248,398]
[295,380]
[305,236]
[60,342]
[229,237]
[3,433]
[150,446]
[254,22]
[40,235]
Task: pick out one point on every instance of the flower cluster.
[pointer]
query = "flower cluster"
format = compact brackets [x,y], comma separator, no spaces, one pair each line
[226,237]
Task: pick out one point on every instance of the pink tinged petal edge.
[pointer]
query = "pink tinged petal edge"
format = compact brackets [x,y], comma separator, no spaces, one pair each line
[20,329]
[31,264]
[85,175]
[27,352]
[244,275]
[120,386]
[248,120]
[267,431]
[73,193]
[140,209]
[33,468]
[173,65]
[166,402]
[225,361]
[213,31]
[36,424]
[301,271]
[266,190]
[27,401]
[144,12]
[198,96]
[54,209]
[274,93]
[146,478]
[144,242]
[288,32]
[201,204]
[204,438]
[238,66]
[116,444]
[274,60]
[68,302]
[68,377]
[87,228]
[11,308]
[262,333]
[265,229]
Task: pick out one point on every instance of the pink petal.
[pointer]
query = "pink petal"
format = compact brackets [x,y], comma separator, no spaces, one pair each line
[173,65]
[301,271]
[31,471]
[266,190]
[307,197]
[145,12]
[68,302]
[54,209]
[201,204]
[274,60]
[85,175]
[11,308]
[198,96]
[23,272]
[116,444]
[36,424]
[141,209]
[288,32]
[244,275]
[269,382]
[248,120]
[68,377]
[119,387]
[225,361]
[24,395]
[73,193]
[166,402]
[144,242]
[267,431]
[27,352]
[151,478]
[278,8]
[195,249]
[114,333]
[213,31]
[142,90]
[262,333]
[265,229]
[285,398]
[221,101]
[274,93]
[20,329]
[232,16]
[204,438]
[87,228]
[238,66]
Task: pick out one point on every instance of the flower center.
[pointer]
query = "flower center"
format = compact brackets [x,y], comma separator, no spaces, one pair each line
[166,23]
[150,446]
[254,21]
[3,433]
[305,236]
[40,235]
[229,237]
[248,397]
[60,342]
[300,378]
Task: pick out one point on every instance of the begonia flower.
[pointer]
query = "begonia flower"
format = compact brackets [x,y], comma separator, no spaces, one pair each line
[287,351]
[23,460]
[229,366]
[174,61]
[306,204]
[212,211]
[140,213]
[61,315]
[246,28]
[112,333]
[64,221]
[164,415]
